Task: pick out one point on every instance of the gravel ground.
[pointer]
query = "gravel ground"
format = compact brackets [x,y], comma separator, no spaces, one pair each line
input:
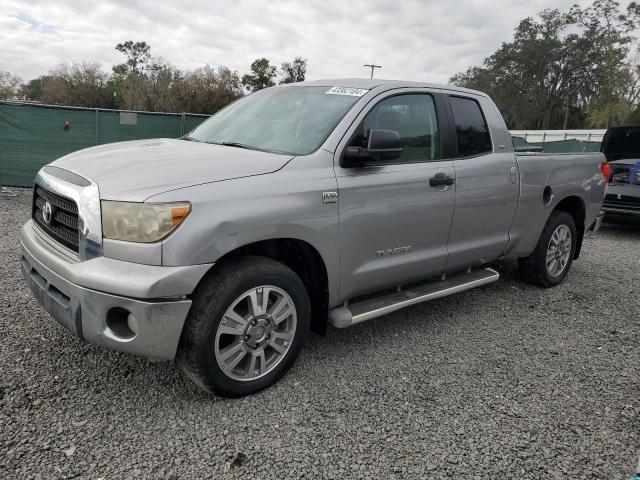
[507,381]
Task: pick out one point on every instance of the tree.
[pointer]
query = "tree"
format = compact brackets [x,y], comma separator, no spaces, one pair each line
[127,75]
[32,90]
[607,34]
[83,84]
[165,88]
[262,75]
[633,118]
[143,82]
[9,85]
[563,70]
[149,83]
[526,76]
[294,71]
[138,55]
[205,90]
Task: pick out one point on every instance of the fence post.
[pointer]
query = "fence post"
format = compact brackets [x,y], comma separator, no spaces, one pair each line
[97,127]
[182,126]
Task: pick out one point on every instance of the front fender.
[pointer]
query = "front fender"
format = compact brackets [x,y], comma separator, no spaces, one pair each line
[231,214]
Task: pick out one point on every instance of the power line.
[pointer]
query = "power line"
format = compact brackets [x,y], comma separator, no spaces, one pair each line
[372,67]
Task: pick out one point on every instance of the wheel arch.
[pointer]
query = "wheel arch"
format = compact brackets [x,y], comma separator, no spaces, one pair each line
[574,205]
[301,257]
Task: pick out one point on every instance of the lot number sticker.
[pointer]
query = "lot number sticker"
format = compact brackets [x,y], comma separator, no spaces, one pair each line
[353,92]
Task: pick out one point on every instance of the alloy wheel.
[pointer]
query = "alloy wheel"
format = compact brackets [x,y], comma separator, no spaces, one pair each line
[255,333]
[558,250]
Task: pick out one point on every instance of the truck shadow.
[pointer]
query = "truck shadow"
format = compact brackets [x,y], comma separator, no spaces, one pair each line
[435,329]
[427,318]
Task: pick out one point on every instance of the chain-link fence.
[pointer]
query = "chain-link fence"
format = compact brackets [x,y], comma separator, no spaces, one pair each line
[32,135]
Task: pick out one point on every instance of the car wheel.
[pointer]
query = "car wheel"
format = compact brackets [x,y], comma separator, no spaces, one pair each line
[247,325]
[549,263]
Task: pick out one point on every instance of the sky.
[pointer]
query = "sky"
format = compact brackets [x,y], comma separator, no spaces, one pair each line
[426,40]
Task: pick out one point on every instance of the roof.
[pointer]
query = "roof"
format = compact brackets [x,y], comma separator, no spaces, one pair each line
[370,84]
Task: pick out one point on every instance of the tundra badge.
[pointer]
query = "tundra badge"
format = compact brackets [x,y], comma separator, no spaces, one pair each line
[393,251]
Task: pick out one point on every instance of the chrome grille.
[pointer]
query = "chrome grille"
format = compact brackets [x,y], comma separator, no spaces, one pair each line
[63,224]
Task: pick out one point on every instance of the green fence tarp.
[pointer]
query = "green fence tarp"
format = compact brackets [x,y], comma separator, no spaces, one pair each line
[559,146]
[33,135]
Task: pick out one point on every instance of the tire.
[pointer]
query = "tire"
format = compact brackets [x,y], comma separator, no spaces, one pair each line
[212,341]
[534,268]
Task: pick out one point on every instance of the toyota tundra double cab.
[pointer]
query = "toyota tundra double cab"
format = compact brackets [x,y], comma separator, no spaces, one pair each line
[324,202]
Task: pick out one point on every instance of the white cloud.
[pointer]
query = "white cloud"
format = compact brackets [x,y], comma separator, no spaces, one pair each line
[411,39]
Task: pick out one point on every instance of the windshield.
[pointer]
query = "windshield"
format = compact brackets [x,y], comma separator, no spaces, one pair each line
[291,120]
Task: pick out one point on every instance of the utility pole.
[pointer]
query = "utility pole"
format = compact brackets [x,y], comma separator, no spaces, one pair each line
[371,66]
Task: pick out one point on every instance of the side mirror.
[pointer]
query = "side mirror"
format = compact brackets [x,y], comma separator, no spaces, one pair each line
[354,157]
[382,145]
[385,141]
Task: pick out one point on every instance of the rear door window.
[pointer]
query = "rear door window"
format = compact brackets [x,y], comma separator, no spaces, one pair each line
[471,127]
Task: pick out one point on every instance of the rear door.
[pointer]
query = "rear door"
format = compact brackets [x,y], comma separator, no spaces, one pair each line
[394,226]
[486,183]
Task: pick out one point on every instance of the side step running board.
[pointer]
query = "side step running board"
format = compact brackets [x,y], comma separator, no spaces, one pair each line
[361,311]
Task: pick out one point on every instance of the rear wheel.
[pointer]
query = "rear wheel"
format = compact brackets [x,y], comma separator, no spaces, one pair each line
[549,263]
[246,327]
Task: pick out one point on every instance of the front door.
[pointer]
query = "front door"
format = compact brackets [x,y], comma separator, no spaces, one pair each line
[394,226]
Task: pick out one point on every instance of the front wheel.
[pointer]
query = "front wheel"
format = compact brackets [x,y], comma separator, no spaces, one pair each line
[549,263]
[247,325]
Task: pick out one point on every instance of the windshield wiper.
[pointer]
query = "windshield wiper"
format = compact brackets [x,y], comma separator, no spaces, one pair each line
[189,139]
[245,146]
[239,145]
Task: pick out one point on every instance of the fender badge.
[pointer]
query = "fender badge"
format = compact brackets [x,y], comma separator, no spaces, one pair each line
[329,197]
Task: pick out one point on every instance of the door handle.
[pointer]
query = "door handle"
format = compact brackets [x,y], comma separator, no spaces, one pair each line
[440,179]
[513,174]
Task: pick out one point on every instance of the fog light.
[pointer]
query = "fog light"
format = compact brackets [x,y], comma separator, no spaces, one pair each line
[122,324]
[132,323]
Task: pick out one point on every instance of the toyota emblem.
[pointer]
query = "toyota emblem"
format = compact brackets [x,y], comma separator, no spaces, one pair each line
[47,213]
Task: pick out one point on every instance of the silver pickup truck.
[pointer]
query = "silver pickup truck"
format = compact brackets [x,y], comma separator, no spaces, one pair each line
[321,202]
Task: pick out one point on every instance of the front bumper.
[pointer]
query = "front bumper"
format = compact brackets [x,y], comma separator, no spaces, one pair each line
[89,298]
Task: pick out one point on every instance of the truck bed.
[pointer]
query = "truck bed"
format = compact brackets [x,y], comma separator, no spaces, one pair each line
[544,178]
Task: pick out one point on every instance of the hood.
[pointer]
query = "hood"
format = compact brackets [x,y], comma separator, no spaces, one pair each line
[621,143]
[137,170]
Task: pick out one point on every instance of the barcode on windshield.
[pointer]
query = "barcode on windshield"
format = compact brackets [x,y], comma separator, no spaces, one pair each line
[353,92]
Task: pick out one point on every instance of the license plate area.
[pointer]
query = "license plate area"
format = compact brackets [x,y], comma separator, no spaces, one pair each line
[63,308]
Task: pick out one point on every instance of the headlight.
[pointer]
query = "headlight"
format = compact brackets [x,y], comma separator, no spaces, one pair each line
[141,222]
